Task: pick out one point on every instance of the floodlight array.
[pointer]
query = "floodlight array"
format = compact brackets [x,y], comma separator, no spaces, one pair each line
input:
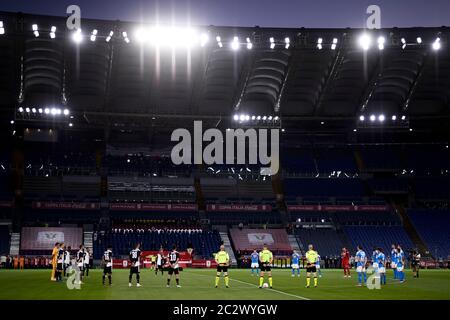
[39,112]
[244,118]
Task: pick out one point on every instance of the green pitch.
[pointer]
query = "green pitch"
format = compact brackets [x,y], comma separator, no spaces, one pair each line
[198,284]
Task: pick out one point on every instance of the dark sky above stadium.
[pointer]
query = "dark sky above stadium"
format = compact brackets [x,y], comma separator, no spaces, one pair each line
[268,13]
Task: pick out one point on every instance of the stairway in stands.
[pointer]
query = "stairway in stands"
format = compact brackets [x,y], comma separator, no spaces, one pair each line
[228,248]
[295,245]
[15,244]
[410,230]
[88,237]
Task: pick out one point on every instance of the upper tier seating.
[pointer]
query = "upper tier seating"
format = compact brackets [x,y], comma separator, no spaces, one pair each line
[378,236]
[433,227]
[325,241]
[205,243]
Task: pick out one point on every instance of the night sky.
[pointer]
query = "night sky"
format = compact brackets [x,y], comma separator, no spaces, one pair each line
[267,13]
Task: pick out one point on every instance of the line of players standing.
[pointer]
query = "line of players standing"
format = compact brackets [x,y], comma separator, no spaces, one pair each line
[163,262]
[379,263]
[62,260]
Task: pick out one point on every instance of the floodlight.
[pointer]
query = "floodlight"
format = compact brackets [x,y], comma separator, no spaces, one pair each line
[94,35]
[35,29]
[236,117]
[235,43]
[53,32]
[108,38]
[20,109]
[319,43]
[242,117]
[272,43]
[46,110]
[381,40]
[287,42]
[372,117]
[334,45]
[249,44]
[394,117]
[361,118]
[27,110]
[33,110]
[381,118]
[419,40]
[77,36]
[66,112]
[365,41]
[437,44]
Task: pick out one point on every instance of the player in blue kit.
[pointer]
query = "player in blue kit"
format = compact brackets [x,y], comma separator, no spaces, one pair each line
[394,260]
[374,259]
[400,264]
[361,261]
[255,262]
[295,263]
[381,259]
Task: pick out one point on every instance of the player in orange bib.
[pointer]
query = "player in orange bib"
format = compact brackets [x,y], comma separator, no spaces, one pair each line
[54,261]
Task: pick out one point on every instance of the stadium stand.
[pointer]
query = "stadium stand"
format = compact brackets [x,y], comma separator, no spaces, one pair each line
[433,227]
[326,240]
[370,237]
[205,243]
[246,218]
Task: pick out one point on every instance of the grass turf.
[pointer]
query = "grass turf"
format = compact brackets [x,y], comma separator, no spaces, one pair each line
[198,284]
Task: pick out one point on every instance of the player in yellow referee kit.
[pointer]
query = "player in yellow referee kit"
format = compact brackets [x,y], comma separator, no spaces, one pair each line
[311,259]
[223,262]
[265,259]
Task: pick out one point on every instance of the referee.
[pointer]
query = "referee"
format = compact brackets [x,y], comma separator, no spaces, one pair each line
[311,259]
[223,261]
[265,259]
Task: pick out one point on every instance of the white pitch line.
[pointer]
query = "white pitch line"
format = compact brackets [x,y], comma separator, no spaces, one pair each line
[277,291]
[254,285]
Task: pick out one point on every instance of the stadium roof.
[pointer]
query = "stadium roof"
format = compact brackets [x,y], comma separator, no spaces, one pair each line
[123,72]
